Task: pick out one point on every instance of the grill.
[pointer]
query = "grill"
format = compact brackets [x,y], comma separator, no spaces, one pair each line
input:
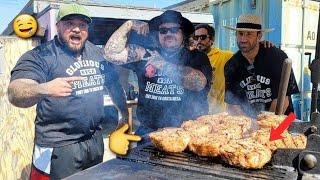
[204,165]
[285,163]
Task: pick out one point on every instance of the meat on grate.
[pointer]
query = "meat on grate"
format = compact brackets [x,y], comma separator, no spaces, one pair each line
[292,141]
[170,139]
[269,120]
[207,145]
[245,153]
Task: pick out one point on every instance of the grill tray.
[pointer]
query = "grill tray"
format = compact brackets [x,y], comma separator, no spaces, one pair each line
[187,161]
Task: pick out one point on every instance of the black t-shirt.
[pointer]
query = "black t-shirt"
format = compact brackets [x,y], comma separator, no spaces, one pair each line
[66,120]
[253,87]
[162,102]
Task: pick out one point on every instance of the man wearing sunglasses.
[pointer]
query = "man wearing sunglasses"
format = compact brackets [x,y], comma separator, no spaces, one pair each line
[203,38]
[173,81]
[252,75]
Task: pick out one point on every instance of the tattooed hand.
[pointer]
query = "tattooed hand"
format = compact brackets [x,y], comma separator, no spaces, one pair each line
[135,52]
[155,59]
[150,71]
[140,27]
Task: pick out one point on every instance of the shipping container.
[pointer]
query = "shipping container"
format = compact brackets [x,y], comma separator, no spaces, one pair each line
[295,31]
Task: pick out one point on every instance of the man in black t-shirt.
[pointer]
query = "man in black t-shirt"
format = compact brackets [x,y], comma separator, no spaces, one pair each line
[253,74]
[173,81]
[66,77]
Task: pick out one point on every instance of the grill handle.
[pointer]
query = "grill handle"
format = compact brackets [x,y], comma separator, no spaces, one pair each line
[283,86]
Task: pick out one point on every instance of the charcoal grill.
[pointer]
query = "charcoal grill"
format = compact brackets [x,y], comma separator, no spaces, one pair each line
[187,161]
[147,162]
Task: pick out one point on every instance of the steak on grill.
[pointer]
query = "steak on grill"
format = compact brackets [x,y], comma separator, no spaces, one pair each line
[170,139]
[207,145]
[269,120]
[245,153]
[292,141]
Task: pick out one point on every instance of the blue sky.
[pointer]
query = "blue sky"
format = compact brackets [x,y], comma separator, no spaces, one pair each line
[10,8]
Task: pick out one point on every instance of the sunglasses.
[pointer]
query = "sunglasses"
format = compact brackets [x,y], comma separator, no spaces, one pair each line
[172,30]
[202,37]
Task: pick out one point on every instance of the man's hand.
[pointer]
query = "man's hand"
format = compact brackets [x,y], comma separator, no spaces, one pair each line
[60,87]
[119,141]
[155,60]
[267,44]
[140,27]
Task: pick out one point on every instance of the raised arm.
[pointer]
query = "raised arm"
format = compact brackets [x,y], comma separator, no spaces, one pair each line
[118,51]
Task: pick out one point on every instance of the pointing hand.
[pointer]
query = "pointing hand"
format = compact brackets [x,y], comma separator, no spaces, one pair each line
[119,141]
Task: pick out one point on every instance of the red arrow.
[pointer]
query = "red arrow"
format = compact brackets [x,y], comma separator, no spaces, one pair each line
[276,133]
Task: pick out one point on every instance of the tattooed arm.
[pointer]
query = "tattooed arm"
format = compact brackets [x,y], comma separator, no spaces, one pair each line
[118,51]
[25,93]
[188,77]
[185,76]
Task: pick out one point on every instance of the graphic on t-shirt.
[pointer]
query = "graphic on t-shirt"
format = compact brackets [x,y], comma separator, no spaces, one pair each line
[164,89]
[257,89]
[93,81]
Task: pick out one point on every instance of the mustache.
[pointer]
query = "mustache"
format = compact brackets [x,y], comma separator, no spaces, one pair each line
[169,37]
[198,44]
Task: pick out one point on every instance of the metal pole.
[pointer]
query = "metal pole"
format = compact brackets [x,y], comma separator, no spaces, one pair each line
[315,73]
[284,80]
[302,61]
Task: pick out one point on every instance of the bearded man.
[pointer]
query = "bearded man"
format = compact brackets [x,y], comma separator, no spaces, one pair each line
[66,78]
[252,75]
[173,81]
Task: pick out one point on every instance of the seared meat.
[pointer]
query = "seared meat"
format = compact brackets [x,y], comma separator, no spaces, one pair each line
[196,127]
[222,135]
[212,119]
[225,121]
[245,153]
[208,145]
[170,139]
[230,131]
[242,121]
[269,120]
[296,141]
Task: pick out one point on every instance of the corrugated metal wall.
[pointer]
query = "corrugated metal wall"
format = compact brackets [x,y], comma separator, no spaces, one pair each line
[16,124]
[227,13]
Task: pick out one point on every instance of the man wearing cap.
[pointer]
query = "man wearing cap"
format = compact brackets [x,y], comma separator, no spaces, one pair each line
[252,75]
[66,77]
[173,81]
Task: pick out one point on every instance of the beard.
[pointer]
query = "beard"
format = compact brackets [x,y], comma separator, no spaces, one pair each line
[246,48]
[76,48]
[203,48]
[171,46]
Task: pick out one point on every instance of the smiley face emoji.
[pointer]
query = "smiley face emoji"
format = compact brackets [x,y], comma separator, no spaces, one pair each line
[25,26]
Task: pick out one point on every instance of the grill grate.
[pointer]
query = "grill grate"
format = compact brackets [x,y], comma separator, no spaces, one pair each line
[204,165]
